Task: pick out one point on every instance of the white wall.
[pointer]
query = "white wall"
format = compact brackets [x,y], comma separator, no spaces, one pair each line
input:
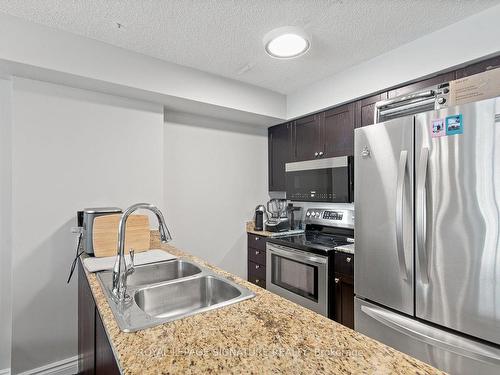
[5,223]
[469,39]
[215,175]
[71,149]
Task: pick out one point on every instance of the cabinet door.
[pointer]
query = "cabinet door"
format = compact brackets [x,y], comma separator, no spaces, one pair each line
[86,324]
[450,76]
[479,67]
[344,300]
[338,131]
[279,139]
[365,109]
[105,362]
[307,135]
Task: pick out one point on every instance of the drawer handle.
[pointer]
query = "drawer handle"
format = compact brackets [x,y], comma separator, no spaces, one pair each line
[257,252]
[348,259]
[257,266]
[337,280]
[257,238]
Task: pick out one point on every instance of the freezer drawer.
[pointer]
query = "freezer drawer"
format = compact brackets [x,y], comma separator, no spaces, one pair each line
[441,349]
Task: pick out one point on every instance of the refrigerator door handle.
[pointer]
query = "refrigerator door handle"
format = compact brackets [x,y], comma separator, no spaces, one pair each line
[421,215]
[419,331]
[403,157]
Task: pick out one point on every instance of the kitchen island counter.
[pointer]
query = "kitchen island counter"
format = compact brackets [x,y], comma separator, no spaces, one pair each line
[265,334]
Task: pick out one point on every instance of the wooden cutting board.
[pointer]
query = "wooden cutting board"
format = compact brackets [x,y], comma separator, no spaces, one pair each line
[105,239]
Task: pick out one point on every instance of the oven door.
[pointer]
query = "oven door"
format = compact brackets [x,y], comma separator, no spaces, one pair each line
[321,180]
[298,276]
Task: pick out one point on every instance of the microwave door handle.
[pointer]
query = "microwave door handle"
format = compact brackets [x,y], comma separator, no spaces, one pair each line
[403,157]
[291,254]
[421,215]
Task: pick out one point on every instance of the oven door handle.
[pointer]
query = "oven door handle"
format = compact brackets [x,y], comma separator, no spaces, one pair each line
[293,254]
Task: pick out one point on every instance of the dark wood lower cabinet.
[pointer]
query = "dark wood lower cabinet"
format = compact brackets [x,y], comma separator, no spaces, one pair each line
[344,289]
[344,300]
[257,260]
[95,355]
[86,324]
[105,362]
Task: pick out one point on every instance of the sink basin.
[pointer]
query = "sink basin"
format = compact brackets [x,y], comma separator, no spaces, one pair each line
[167,291]
[185,297]
[164,271]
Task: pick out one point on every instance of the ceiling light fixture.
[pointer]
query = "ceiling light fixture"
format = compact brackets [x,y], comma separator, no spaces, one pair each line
[286,42]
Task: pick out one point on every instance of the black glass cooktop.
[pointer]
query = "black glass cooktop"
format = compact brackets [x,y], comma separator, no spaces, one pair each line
[312,241]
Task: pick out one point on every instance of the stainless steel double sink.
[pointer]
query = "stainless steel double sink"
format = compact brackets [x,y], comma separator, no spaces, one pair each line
[166,291]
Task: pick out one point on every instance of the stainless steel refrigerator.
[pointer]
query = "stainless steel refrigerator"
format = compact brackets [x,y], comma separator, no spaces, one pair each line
[427,236]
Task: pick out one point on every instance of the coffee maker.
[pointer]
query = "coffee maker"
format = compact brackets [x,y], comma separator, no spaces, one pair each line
[278,220]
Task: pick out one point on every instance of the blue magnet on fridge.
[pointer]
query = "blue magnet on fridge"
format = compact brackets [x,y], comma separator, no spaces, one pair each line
[454,125]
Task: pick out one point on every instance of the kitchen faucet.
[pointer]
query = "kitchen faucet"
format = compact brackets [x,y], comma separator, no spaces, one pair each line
[120,270]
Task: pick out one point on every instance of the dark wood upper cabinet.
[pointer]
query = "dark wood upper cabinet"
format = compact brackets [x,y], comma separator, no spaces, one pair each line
[445,77]
[331,133]
[338,131]
[280,150]
[479,67]
[307,138]
[365,109]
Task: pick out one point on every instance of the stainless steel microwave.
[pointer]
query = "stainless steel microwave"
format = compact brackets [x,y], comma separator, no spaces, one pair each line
[321,180]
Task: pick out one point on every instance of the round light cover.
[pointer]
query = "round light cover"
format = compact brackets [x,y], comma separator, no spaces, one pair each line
[286,42]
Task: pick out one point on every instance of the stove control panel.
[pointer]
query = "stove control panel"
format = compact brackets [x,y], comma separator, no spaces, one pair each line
[333,215]
[330,217]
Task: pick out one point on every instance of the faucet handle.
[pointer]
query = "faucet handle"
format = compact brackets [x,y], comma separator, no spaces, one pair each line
[132,255]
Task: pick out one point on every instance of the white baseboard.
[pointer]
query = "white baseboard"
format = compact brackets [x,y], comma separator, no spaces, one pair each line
[5,371]
[68,366]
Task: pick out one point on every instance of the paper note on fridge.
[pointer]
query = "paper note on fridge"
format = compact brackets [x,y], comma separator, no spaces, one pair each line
[477,87]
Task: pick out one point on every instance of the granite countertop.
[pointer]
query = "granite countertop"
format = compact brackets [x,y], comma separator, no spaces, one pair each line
[250,228]
[263,335]
[349,249]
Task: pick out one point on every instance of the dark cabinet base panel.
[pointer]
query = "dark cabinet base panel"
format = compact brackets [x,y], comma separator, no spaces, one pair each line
[95,355]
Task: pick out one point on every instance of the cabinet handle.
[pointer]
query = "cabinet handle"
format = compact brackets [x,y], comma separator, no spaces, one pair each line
[257,281]
[348,259]
[257,252]
[257,266]
[337,280]
[316,154]
[321,153]
[257,238]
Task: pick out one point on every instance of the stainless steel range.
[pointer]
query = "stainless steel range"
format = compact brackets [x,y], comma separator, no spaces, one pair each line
[300,267]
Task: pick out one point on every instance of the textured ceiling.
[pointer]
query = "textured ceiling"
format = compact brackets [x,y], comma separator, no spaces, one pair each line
[225,36]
